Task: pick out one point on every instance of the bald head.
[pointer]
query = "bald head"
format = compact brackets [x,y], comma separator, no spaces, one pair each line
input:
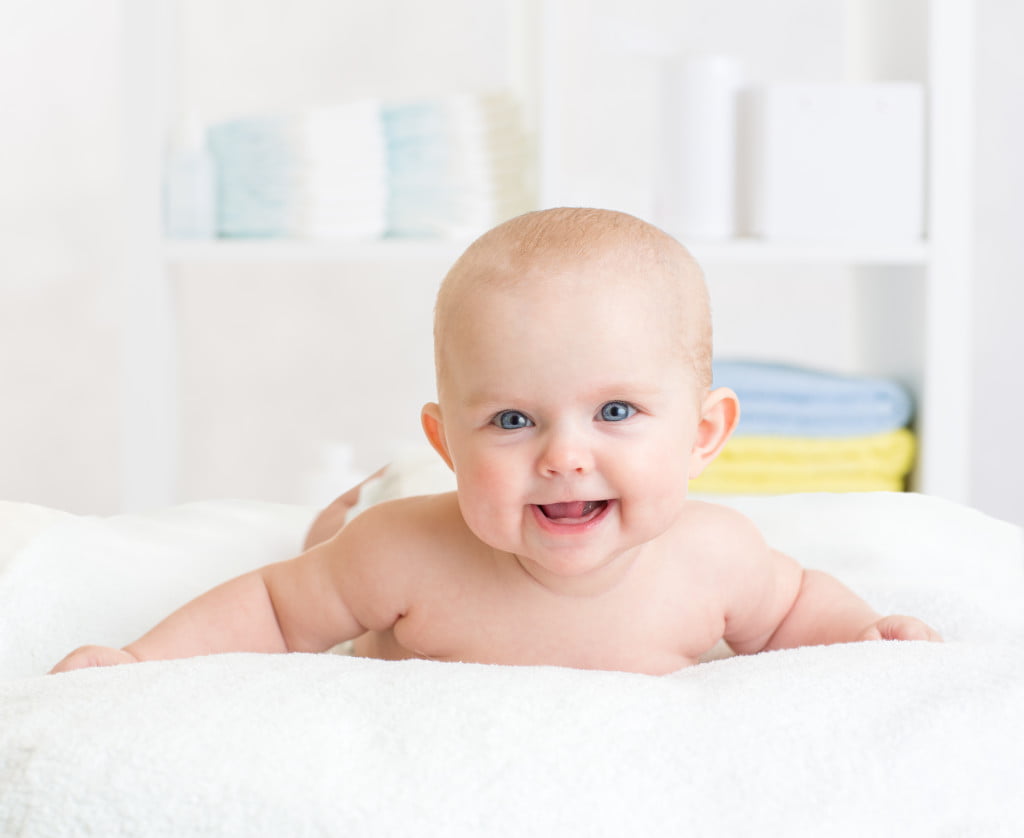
[578,250]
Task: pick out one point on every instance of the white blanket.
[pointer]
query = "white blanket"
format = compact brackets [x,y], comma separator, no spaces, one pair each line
[865,739]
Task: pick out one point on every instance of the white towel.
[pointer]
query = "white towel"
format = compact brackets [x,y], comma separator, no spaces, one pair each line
[865,739]
[107,580]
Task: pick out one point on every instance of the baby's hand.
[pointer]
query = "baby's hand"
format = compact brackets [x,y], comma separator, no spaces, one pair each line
[899,627]
[87,656]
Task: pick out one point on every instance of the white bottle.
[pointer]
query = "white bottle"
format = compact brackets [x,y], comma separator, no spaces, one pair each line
[190,186]
[700,157]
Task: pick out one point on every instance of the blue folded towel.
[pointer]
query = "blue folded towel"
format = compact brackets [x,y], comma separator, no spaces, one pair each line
[255,160]
[778,399]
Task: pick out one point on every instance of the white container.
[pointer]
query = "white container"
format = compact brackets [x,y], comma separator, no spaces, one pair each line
[836,161]
[190,187]
[698,193]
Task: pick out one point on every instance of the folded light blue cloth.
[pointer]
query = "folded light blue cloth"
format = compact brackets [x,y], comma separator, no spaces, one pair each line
[255,160]
[779,399]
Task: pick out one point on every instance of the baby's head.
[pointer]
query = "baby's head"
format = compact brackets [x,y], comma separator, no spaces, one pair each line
[573,351]
[582,251]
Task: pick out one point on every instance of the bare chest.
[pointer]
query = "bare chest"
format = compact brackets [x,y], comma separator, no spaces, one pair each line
[646,627]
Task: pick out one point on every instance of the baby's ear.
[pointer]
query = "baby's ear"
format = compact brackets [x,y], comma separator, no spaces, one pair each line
[719,415]
[433,427]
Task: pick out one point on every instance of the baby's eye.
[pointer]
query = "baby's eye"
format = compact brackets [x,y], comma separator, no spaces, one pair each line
[511,420]
[616,411]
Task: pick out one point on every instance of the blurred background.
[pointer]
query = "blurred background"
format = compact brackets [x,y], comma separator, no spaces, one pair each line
[223,223]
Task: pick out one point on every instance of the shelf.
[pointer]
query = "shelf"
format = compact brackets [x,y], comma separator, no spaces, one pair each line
[934,352]
[736,252]
[754,251]
[299,250]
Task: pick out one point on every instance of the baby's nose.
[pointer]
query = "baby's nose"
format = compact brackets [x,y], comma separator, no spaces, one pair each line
[565,452]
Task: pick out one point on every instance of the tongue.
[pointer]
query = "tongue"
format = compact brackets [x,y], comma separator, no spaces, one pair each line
[572,509]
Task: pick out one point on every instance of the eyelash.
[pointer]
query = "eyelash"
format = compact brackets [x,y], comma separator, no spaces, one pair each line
[499,418]
[630,410]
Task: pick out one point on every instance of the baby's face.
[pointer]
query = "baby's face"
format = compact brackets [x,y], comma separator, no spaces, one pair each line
[570,412]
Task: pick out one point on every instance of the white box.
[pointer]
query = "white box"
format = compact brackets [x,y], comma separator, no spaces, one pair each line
[834,161]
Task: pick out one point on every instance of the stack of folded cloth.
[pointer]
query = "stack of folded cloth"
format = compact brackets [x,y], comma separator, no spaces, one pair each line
[457,164]
[255,162]
[806,431]
[341,188]
[317,173]
[452,166]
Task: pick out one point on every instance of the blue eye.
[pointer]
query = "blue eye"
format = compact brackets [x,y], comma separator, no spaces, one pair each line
[616,411]
[511,420]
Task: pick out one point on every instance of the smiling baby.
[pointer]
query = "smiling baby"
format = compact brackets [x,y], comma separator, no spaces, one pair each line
[573,354]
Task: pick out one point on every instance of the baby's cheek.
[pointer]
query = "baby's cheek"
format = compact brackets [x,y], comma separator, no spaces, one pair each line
[657,503]
[501,476]
[487,502]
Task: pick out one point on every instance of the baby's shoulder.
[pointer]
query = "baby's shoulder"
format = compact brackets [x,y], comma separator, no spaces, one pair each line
[415,517]
[391,556]
[412,529]
[717,530]
[707,516]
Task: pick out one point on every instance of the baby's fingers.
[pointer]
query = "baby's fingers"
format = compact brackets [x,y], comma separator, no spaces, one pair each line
[89,656]
[899,627]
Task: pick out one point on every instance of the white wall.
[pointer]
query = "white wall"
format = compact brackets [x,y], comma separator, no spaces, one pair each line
[998,453]
[58,245]
[274,365]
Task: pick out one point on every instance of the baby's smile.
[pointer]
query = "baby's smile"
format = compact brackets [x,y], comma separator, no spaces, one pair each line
[572,510]
[572,513]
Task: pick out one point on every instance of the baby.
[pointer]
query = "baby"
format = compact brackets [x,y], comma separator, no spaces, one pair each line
[573,353]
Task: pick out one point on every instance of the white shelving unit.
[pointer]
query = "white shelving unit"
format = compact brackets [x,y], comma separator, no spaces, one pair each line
[738,252]
[150,449]
[937,270]
[282,250]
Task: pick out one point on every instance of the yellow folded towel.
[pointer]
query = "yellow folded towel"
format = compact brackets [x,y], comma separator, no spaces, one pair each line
[777,464]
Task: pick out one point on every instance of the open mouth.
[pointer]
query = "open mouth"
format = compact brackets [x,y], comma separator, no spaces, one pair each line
[573,512]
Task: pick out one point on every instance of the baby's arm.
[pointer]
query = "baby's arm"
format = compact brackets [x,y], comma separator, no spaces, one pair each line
[779,605]
[236,616]
[825,611]
[296,605]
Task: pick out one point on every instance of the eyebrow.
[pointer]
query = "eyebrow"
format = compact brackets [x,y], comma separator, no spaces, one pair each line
[605,393]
